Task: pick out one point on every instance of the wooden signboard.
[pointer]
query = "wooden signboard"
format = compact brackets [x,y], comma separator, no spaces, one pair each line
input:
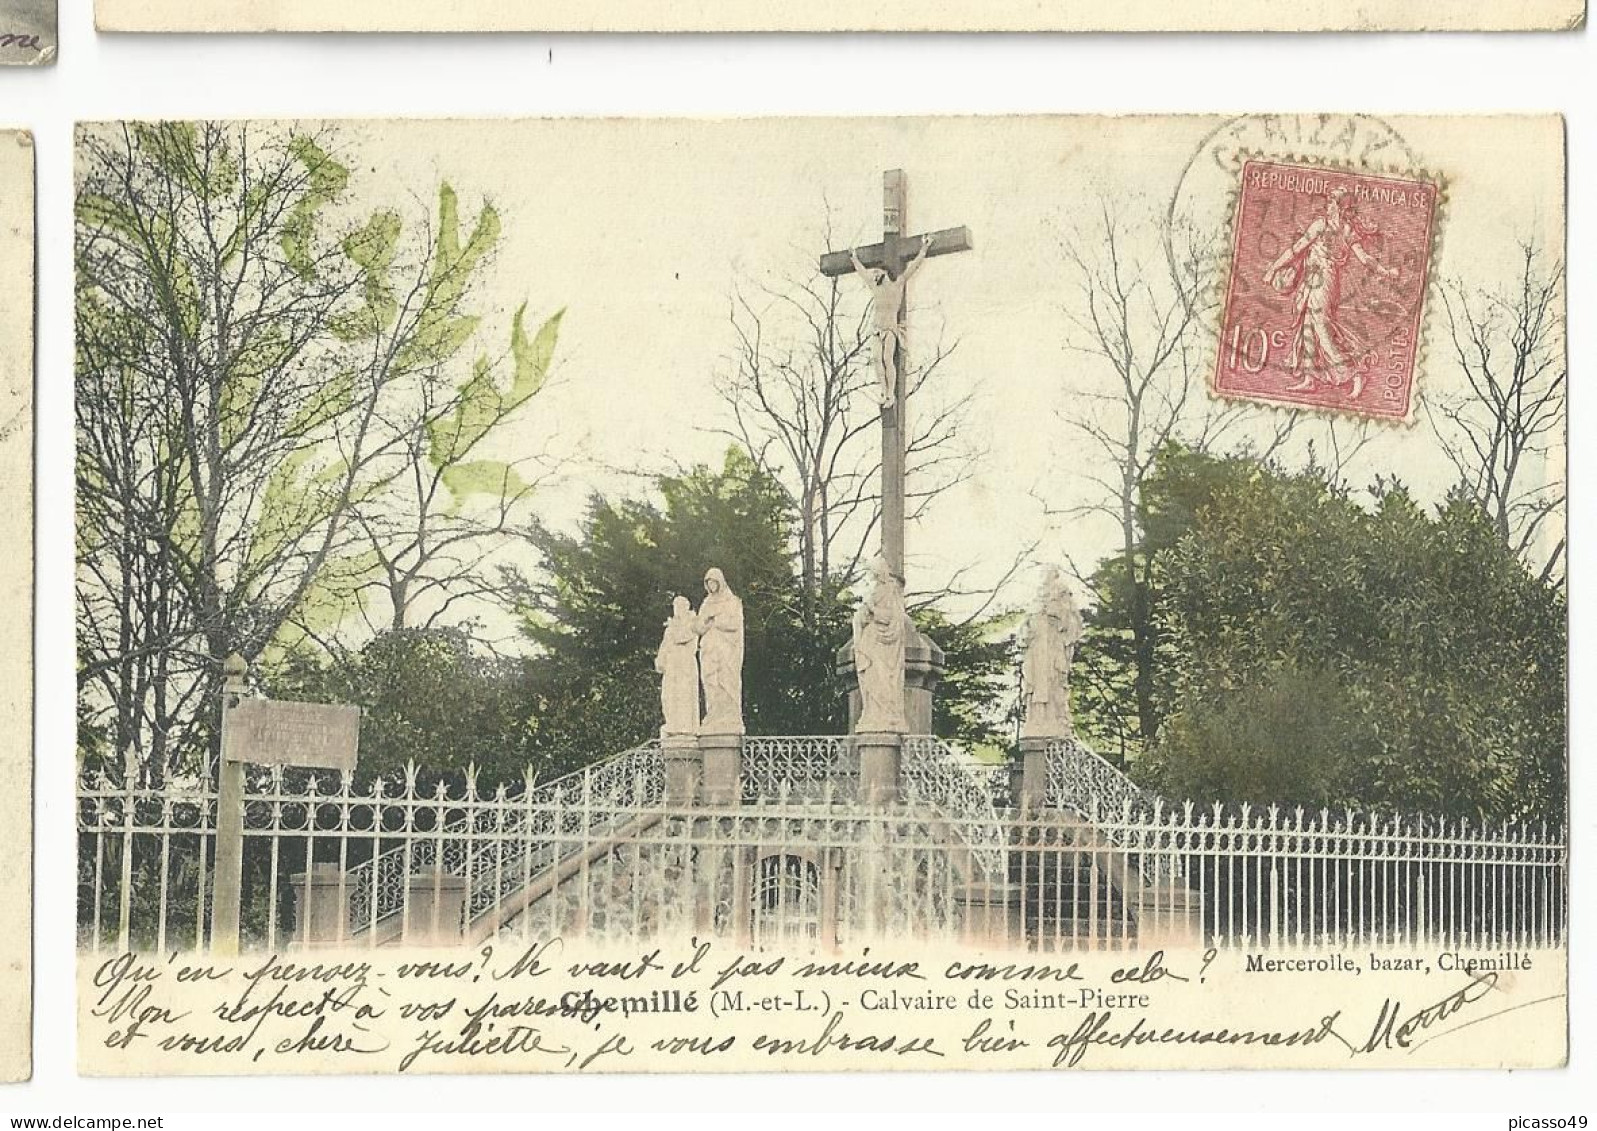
[270,733]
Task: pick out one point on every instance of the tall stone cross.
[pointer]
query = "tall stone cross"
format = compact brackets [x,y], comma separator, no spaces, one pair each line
[896,254]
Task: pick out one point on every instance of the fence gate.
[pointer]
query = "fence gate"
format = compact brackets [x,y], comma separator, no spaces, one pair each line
[787,901]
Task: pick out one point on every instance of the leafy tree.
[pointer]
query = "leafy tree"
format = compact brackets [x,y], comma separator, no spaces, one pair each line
[1321,652]
[1138,315]
[426,696]
[597,613]
[253,360]
[979,659]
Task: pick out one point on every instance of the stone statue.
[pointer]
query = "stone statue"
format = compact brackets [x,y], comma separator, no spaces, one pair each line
[720,627]
[887,309]
[881,631]
[677,661]
[1054,630]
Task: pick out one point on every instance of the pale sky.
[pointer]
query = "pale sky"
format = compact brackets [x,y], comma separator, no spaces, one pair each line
[639,228]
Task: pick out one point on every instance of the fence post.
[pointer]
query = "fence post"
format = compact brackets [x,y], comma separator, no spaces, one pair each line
[124,930]
[438,908]
[321,905]
[229,820]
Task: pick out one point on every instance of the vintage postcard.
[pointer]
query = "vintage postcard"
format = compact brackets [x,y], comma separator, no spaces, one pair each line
[815,594]
[27,31]
[16,590]
[839,15]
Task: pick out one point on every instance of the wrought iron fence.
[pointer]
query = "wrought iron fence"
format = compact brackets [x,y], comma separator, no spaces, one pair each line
[602,853]
[498,842]
[1289,877]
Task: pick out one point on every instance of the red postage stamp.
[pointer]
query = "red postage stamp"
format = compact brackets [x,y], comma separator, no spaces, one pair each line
[1328,278]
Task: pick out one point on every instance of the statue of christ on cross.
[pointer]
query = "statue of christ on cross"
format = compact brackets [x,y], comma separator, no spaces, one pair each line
[886,268]
[887,310]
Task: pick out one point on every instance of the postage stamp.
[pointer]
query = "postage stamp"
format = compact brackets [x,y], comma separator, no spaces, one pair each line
[1326,290]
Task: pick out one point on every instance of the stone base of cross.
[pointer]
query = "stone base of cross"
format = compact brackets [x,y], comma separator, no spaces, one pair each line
[923,671]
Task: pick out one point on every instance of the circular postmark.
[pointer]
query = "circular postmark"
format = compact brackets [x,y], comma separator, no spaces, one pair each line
[1322,227]
[1205,192]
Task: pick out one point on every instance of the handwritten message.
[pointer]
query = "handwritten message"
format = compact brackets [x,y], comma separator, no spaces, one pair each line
[553,1004]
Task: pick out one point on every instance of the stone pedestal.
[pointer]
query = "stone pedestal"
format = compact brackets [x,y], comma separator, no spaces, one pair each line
[1033,772]
[321,905]
[880,758]
[435,911]
[721,757]
[990,914]
[923,670]
[684,768]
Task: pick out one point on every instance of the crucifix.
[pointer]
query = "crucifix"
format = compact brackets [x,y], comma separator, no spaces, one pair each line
[886,268]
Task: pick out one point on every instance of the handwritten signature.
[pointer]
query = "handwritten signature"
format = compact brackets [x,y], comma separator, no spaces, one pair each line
[1395,1027]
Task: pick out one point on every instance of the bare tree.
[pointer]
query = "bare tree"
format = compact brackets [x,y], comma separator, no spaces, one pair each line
[799,391]
[244,380]
[1138,316]
[430,538]
[1343,439]
[1505,434]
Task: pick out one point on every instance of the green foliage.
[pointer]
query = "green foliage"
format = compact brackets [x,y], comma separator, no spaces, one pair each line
[248,378]
[442,329]
[482,406]
[426,696]
[979,658]
[1288,615]
[597,620]
[372,248]
[1289,738]
[326,181]
[1103,696]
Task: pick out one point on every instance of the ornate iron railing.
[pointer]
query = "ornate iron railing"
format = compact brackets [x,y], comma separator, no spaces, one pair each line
[1242,876]
[1078,778]
[996,779]
[798,768]
[934,773]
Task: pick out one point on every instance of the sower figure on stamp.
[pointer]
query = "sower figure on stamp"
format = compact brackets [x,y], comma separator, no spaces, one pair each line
[1312,270]
[887,311]
[677,661]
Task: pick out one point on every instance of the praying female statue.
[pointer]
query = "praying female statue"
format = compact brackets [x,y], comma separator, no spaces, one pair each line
[1054,630]
[677,661]
[881,632]
[720,628]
